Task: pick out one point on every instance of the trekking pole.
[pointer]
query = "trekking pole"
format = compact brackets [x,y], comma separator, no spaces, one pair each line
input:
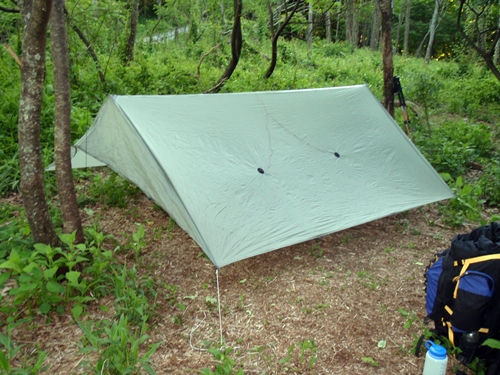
[404,109]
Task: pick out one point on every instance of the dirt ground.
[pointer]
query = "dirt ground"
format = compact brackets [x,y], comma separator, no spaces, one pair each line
[353,299]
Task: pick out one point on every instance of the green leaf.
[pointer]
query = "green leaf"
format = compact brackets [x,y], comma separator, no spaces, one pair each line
[49,273]
[54,287]
[4,277]
[370,361]
[73,277]
[382,344]
[403,312]
[9,264]
[44,308]
[492,343]
[4,363]
[148,369]
[76,311]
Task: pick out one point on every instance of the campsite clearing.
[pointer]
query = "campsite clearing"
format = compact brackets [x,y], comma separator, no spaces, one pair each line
[354,299]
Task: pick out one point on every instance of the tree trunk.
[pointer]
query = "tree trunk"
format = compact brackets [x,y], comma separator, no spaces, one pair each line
[351,22]
[337,27]
[496,54]
[375,37]
[328,26]
[432,31]
[36,17]
[400,22]
[276,35]
[62,123]
[407,27]
[236,45]
[386,9]
[130,43]
[309,25]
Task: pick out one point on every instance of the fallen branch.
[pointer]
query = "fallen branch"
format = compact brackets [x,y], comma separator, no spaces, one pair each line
[203,58]
[13,54]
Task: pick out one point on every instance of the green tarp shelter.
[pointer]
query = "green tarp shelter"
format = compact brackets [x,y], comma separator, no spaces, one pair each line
[248,173]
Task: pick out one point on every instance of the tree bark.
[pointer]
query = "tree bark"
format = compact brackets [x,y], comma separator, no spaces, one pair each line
[35,15]
[496,54]
[62,123]
[328,26]
[407,27]
[386,9]
[375,34]
[309,25]
[400,22]
[276,35]
[351,22]
[432,30]
[236,45]
[130,43]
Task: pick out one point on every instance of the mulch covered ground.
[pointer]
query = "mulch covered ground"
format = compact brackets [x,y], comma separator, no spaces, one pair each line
[349,303]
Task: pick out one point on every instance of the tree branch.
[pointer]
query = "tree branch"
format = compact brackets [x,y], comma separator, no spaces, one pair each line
[13,54]
[8,10]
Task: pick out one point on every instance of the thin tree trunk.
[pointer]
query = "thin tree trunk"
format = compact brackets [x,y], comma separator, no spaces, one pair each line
[309,25]
[407,27]
[35,15]
[130,43]
[496,54]
[337,27]
[432,31]
[350,22]
[485,54]
[386,8]
[400,22]
[328,26]
[236,45]
[62,124]
[276,35]
[375,35]
[85,41]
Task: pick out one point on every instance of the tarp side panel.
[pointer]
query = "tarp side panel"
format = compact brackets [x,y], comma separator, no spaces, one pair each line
[114,140]
[260,171]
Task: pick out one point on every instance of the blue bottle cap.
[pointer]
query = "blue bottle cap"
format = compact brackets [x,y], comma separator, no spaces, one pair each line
[435,350]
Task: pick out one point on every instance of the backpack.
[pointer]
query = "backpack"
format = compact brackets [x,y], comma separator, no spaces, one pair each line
[463,294]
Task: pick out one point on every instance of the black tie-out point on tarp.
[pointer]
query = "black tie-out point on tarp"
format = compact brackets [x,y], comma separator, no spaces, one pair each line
[260,170]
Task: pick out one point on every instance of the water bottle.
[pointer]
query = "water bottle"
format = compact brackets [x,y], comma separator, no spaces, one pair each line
[435,359]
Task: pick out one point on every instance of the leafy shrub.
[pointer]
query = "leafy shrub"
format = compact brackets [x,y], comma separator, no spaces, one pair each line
[453,145]
[110,189]
[489,183]
[466,206]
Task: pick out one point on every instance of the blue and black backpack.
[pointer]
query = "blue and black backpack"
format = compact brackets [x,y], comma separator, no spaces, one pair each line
[463,295]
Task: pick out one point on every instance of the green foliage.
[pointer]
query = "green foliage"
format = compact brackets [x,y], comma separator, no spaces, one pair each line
[30,365]
[467,204]
[110,189]
[118,347]
[225,364]
[453,145]
[489,183]
[133,295]
[307,348]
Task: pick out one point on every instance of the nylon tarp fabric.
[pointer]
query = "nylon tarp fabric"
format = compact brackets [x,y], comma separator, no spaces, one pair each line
[248,173]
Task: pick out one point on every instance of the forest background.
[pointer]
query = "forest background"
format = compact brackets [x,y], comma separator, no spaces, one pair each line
[446,54]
